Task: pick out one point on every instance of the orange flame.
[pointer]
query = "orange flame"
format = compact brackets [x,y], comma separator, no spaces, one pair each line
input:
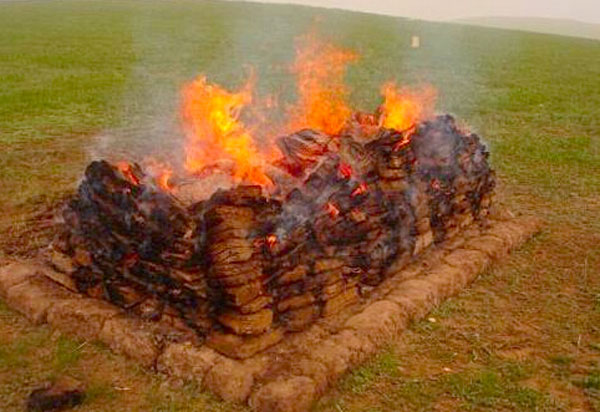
[163,180]
[215,132]
[332,210]
[406,135]
[161,173]
[271,240]
[403,108]
[319,68]
[127,170]
[360,189]
[345,170]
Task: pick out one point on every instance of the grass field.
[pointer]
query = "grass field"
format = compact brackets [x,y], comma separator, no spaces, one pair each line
[563,27]
[525,337]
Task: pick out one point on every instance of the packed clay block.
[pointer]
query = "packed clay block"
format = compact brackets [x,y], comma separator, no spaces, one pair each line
[239,276]
[331,291]
[472,262]
[83,318]
[423,241]
[293,275]
[61,261]
[296,302]
[256,305]
[415,296]
[518,232]
[35,296]
[339,302]
[506,232]
[297,319]
[491,246]
[242,295]
[61,278]
[359,345]
[232,380]
[243,347]
[446,279]
[129,337]
[15,273]
[324,265]
[187,361]
[251,324]
[315,370]
[294,394]
[379,321]
[401,273]
[334,357]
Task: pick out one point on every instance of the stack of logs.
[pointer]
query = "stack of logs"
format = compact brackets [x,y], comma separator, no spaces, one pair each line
[241,268]
[134,245]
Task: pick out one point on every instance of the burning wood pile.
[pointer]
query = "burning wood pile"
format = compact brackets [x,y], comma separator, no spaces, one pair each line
[242,267]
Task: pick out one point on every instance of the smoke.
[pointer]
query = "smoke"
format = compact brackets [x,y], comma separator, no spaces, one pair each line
[169,51]
[172,44]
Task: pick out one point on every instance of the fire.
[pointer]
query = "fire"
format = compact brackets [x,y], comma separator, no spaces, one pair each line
[406,135]
[360,189]
[217,138]
[161,173]
[163,180]
[271,240]
[319,68]
[216,133]
[127,170]
[403,108]
[345,170]
[332,210]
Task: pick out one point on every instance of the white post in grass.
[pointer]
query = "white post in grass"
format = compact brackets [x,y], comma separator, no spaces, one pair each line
[415,42]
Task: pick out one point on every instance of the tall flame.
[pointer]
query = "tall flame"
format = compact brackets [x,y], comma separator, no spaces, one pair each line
[403,108]
[216,137]
[319,68]
[215,131]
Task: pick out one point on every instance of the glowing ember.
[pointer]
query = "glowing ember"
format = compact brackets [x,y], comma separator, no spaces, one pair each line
[271,240]
[345,170]
[405,140]
[215,132]
[358,215]
[127,170]
[360,189]
[130,259]
[332,210]
[319,68]
[403,108]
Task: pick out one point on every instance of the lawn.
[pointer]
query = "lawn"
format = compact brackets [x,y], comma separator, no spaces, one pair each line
[525,336]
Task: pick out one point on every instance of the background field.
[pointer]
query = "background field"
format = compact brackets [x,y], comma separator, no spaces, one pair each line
[526,336]
[563,27]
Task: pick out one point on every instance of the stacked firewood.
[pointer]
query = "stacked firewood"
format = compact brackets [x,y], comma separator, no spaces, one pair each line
[453,168]
[130,243]
[241,265]
[233,258]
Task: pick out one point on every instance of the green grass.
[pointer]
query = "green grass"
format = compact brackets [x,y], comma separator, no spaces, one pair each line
[592,381]
[383,365]
[518,340]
